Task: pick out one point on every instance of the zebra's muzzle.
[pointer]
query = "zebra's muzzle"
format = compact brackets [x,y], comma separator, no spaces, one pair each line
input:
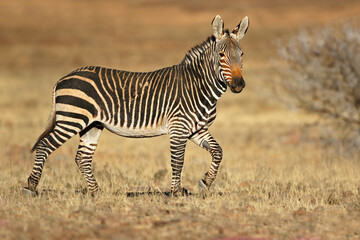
[237,84]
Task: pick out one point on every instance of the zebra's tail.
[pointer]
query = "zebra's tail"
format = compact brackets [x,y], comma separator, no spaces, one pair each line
[50,126]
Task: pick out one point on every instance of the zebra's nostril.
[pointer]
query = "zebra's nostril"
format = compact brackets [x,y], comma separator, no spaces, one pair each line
[238,81]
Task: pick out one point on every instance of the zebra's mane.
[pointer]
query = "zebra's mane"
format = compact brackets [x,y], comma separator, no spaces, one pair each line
[198,49]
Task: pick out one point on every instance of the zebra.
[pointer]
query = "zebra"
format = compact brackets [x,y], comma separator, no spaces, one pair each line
[179,101]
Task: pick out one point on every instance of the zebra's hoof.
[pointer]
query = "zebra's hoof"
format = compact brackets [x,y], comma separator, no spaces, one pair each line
[26,191]
[202,186]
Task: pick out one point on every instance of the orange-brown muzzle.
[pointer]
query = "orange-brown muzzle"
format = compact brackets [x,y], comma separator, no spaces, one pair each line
[237,82]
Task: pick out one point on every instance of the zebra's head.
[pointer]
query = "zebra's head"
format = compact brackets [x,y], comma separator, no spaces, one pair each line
[228,53]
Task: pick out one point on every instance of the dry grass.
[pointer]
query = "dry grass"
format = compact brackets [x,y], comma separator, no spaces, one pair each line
[277,179]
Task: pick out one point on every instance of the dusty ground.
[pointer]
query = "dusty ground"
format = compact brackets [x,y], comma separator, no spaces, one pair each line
[277,181]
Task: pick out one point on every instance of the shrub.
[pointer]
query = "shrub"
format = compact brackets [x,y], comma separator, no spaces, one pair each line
[322,75]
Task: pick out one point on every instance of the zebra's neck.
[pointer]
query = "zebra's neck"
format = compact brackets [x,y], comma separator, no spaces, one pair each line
[199,63]
[197,51]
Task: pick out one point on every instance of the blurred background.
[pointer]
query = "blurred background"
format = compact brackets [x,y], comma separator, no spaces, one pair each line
[41,41]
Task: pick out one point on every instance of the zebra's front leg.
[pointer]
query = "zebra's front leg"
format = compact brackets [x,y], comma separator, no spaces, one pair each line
[204,139]
[177,149]
[88,142]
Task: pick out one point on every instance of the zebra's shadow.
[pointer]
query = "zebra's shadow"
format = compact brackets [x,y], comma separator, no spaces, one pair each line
[47,192]
[156,193]
[169,194]
[130,194]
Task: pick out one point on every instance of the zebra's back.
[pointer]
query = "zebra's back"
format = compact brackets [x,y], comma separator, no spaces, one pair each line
[132,104]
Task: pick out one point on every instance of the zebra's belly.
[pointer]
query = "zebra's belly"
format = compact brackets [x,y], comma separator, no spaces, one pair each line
[137,132]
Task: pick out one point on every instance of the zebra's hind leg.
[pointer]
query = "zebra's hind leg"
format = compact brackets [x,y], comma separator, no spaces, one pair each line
[89,138]
[205,140]
[44,147]
[177,149]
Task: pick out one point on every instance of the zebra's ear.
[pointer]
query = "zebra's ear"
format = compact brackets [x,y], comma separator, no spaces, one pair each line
[240,30]
[218,27]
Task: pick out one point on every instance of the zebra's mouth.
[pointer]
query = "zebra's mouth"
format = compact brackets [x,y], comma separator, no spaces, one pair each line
[236,90]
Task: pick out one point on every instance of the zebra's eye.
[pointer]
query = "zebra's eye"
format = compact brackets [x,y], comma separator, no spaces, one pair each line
[242,53]
[221,54]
